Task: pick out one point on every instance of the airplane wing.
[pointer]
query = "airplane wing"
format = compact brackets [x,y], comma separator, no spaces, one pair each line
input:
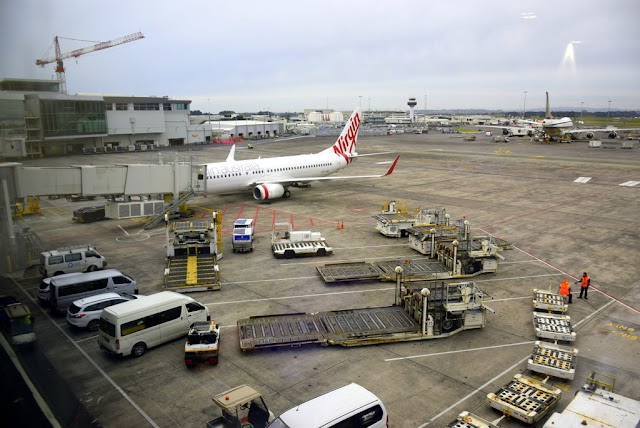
[511,130]
[356,155]
[607,129]
[327,178]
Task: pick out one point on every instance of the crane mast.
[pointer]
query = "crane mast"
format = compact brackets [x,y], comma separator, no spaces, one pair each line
[76,53]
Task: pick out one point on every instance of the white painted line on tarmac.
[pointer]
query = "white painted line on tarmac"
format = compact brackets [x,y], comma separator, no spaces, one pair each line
[435,354]
[88,338]
[125,232]
[96,366]
[358,260]
[629,183]
[266,299]
[510,298]
[515,277]
[370,246]
[274,279]
[42,403]
[472,393]
[582,180]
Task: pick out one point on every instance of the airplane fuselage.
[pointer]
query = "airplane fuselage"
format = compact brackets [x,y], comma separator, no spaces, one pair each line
[555,127]
[238,176]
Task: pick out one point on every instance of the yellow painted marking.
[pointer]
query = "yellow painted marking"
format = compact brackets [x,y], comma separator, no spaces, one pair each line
[192,270]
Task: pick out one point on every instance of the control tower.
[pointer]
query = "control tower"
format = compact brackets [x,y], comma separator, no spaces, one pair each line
[412,104]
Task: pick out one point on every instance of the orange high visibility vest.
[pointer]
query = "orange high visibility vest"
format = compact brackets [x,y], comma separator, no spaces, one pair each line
[565,288]
[585,281]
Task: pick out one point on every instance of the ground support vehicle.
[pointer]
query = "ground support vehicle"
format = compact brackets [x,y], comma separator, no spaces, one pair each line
[469,420]
[193,250]
[549,301]
[242,238]
[395,219]
[554,327]
[89,214]
[242,407]
[457,254]
[16,321]
[554,360]
[421,311]
[453,259]
[202,343]
[287,243]
[596,405]
[76,258]
[525,399]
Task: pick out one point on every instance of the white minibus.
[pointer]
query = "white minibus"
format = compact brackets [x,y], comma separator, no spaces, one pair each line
[349,406]
[64,290]
[130,328]
[79,258]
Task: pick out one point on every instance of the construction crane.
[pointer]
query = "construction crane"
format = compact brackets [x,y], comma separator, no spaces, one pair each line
[76,53]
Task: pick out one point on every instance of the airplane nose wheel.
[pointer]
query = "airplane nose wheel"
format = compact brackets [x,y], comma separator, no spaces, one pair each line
[287,193]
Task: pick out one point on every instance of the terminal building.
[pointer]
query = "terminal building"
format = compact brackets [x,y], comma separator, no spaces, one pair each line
[36,120]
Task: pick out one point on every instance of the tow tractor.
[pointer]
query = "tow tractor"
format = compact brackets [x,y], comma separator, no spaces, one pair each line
[202,343]
[242,407]
[287,243]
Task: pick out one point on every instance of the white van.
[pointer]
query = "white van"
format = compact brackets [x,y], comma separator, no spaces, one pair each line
[63,290]
[45,287]
[133,327]
[349,406]
[79,258]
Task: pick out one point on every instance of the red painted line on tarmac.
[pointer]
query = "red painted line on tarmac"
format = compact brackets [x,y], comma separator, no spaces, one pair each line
[255,217]
[575,279]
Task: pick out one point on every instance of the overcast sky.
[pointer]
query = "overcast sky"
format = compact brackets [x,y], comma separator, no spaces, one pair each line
[289,55]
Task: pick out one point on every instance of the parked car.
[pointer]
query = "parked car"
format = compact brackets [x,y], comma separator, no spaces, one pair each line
[85,313]
[16,321]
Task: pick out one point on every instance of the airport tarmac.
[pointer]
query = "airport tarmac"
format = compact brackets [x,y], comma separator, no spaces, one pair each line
[524,192]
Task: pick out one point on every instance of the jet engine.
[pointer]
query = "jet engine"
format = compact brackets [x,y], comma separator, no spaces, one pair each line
[269,191]
[589,135]
[613,134]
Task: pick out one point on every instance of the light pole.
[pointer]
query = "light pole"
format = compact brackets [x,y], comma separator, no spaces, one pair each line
[209,120]
[608,111]
[581,110]
[360,96]
[524,107]
[369,104]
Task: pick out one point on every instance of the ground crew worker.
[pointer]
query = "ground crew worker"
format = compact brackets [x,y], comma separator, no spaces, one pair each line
[585,282]
[565,290]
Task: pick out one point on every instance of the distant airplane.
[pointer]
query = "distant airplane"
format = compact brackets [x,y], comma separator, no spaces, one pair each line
[270,178]
[554,128]
[516,127]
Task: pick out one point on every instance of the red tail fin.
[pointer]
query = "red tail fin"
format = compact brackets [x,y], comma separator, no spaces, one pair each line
[346,144]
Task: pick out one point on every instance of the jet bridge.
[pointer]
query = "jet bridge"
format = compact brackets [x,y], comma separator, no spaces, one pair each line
[121,184]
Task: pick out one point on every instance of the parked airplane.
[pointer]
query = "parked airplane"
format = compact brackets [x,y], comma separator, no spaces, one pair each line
[554,128]
[270,178]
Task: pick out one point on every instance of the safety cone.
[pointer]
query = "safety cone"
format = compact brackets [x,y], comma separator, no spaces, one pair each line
[340,225]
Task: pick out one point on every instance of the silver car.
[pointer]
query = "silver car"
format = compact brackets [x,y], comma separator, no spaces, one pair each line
[85,313]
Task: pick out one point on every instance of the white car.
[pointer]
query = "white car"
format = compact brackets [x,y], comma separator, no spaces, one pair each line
[85,313]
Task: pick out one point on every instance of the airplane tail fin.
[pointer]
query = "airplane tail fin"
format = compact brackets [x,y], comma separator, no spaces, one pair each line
[346,144]
[231,156]
[548,113]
